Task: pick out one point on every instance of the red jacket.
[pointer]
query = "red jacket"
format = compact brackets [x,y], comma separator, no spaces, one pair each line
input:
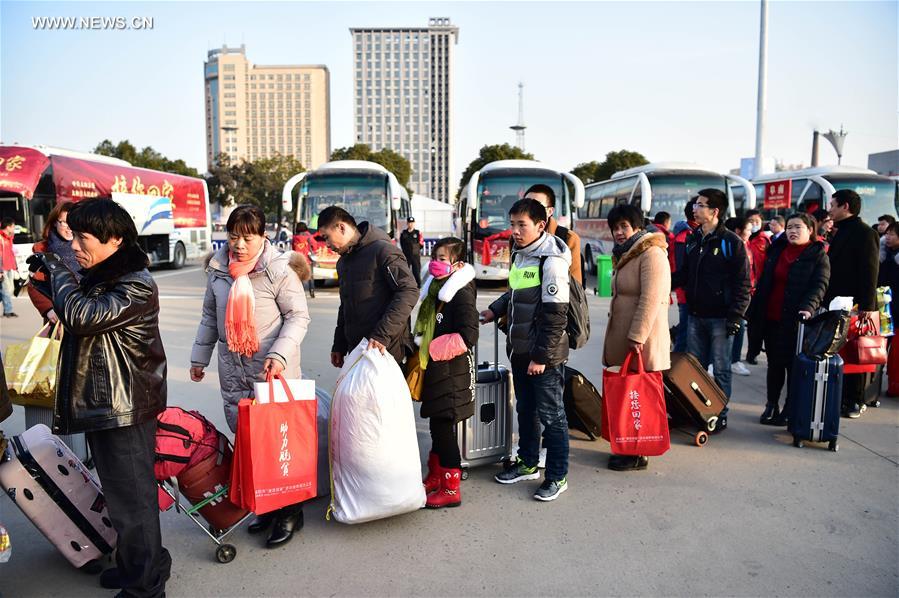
[758,250]
[7,255]
[680,249]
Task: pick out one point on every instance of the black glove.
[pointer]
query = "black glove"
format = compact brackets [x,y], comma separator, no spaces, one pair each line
[733,327]
[36,263]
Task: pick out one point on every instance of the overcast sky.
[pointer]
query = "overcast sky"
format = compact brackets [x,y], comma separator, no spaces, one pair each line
[672,80]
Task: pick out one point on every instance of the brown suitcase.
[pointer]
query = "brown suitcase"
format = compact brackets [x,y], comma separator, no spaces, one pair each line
[209,479]
[692,394]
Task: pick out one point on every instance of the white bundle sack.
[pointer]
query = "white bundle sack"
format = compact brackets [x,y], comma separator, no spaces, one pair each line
[375,467]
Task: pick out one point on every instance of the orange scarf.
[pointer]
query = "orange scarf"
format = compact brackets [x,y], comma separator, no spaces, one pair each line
[240,321]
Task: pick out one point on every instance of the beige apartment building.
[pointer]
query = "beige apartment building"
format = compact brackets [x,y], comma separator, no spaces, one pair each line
[255,111]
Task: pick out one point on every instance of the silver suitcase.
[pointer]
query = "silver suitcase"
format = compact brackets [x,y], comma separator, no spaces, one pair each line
[59,495]
[486,437]
[76,442]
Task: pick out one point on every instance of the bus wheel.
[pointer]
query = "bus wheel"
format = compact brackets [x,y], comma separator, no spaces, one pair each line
[591,263]
[179,258]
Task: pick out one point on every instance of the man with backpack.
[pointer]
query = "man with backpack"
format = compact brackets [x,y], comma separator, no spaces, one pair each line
[537,343]
[715,276]
[547,198]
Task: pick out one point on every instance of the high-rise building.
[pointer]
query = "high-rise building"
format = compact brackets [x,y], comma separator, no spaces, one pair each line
[403,98]
[255,111]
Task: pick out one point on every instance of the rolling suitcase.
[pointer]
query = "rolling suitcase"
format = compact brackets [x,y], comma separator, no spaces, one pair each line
[815,394]
[583,404]
[693,396]
[59,495]
[486,437]
[76,442]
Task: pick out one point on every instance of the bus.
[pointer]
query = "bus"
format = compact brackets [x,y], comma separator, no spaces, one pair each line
[656,187]
[484,209]
[811,188]
[170,211]
[366,190]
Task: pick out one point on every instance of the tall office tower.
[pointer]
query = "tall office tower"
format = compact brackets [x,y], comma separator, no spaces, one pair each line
[403,98]
[255,111]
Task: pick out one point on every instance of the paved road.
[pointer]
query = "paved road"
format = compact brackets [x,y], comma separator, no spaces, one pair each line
[747,515]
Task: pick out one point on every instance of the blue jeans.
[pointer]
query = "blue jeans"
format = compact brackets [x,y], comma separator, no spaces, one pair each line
[539,401]
[6,291]
[709,343]
[738,344]
[680,339]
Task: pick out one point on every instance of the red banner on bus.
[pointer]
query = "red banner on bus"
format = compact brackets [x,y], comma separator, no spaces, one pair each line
[81,179]
[777,194]
[21,169]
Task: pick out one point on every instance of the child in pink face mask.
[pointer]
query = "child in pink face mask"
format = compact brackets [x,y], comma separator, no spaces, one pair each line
[446,330]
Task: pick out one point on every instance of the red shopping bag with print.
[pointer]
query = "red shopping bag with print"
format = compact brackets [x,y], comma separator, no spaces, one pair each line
[635,421]
[275,452]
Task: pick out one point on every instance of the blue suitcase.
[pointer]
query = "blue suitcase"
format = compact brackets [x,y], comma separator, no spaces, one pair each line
[815,393]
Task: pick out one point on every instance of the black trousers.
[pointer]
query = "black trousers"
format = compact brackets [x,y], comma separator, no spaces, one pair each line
[853,390]
[124,461]
[780,361]
[415,266]
[444,442]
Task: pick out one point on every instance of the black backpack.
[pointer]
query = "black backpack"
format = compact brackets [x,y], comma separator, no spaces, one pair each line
[578,326]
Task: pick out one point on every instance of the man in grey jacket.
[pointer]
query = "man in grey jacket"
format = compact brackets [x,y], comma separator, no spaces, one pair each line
[377,290]
[537,310]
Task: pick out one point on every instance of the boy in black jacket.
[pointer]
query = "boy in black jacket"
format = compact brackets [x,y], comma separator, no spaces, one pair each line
[715,276]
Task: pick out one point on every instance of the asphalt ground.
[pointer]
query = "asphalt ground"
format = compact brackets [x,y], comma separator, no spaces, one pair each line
[746,515]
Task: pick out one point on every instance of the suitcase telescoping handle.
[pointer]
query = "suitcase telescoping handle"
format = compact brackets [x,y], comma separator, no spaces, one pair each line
[800,335]
[495,348]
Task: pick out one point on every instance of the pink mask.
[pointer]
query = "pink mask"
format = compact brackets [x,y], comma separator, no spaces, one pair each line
[439,269]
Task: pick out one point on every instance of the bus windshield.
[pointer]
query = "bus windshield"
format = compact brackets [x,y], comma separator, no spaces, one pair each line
[364,196]
[670,192]
[499,192]
[878,195]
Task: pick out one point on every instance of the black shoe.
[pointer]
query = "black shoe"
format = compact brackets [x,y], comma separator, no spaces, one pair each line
[770,413]
[752,360]
[628,463]
[285,525]
[110,579]
[261,523]
[11,314]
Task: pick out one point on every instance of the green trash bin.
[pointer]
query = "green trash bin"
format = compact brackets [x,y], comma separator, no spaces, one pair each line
[604,275]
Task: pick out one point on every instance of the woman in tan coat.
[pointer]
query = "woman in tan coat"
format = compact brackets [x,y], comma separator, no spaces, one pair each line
[638,314]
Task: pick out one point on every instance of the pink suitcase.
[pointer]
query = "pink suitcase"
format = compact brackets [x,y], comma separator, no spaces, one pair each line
[58,494]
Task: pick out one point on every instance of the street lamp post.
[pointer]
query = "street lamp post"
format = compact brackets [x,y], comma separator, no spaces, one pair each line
[762,88]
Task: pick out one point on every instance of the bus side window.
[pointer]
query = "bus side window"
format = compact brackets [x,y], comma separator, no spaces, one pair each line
[796,192]
[812,200]
[623,191]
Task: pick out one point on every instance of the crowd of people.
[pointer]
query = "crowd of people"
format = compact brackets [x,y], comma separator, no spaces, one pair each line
[89,273]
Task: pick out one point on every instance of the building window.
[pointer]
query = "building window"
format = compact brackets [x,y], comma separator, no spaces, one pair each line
[228,67]
[229,86]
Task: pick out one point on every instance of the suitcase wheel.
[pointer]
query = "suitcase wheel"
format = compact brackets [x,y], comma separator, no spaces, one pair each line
[465,474]
[833,445]
[701,438]
[797,442]
[711,424]
[225,553]
[875,403]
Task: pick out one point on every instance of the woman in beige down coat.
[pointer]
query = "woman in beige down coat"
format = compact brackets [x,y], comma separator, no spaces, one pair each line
[641,294]
[280,318]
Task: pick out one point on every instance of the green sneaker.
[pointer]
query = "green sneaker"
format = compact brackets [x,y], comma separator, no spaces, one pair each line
[550,490]
[516,472]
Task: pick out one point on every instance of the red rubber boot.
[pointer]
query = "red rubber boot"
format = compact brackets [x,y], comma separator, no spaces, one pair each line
[450,492]
[432,480]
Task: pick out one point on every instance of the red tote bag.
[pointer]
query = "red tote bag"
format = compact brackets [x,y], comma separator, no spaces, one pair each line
[276,453]
[865,349]
[635,421]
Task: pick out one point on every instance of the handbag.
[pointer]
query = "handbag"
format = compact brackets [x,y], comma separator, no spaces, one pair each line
[635,420]
[865,347]
[275,450]
[415,374]
[825,334]
[30,368]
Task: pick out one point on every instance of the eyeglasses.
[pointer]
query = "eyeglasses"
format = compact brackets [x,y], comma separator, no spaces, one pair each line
[701,205]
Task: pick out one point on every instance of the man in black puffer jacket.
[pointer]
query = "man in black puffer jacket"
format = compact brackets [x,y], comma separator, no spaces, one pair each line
[112,381]
[854,265]
[377,290]
[715,276]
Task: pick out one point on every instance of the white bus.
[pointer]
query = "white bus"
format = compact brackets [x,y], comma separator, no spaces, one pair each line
[170,211]
[368,191]
[811,189]
[656,187]
[484,209]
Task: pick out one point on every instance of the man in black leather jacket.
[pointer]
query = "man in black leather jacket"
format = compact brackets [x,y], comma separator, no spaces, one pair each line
[112,381]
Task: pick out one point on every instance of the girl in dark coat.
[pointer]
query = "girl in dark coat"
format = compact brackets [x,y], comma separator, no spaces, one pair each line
[446,330]
[792,286]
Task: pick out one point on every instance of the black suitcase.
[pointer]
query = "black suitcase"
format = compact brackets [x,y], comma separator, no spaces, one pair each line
[583,404]
[815,395]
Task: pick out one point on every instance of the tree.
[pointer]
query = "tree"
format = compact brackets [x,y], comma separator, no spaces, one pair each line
[145,158]
[586,171]
[492,153]
[620,160]
[259,182]
[389,159]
